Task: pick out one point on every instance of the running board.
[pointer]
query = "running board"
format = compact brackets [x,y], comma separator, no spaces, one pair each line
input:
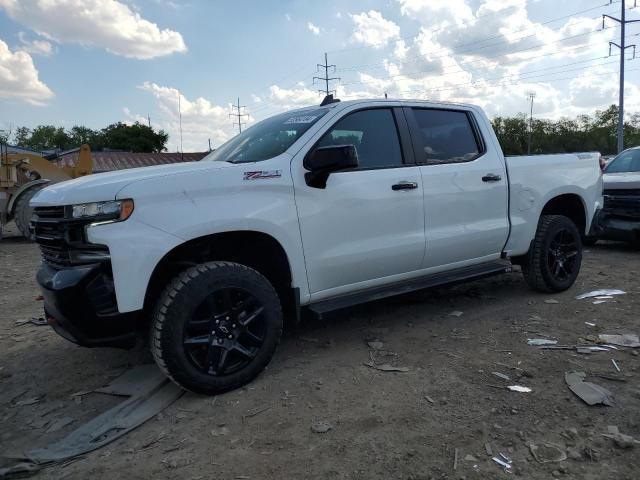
[451,277]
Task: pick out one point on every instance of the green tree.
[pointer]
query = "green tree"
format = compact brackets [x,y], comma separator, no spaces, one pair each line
[133,138]
[80,135]
[22,136]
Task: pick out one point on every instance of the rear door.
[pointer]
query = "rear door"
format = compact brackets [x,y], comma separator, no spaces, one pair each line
[368,223]
[465,187]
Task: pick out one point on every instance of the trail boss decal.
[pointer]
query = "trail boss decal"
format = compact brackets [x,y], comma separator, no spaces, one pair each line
[261,174]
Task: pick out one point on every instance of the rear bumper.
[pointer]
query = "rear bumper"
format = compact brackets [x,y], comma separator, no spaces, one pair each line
[80,305]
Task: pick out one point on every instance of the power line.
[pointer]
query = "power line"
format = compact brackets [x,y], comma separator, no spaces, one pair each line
[623,22]
[475,43]
[540,45]
[326,77]
[238,115]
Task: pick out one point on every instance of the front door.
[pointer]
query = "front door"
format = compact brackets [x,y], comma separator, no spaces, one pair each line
[368,223]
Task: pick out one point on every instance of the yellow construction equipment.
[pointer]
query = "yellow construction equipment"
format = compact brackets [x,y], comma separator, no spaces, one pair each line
[23,174]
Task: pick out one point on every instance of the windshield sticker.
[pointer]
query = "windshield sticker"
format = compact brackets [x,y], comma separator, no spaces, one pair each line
[261,174]
[303,119]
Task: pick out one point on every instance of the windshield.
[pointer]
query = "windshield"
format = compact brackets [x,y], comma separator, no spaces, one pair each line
[268,138]
[628,161]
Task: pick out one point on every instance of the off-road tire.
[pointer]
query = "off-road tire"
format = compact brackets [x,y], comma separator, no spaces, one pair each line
[23,211]
[178,302]
[535,267]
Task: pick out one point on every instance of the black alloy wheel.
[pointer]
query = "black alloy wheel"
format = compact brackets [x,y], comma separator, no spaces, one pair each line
[226,332]
[216,327]
[562,254]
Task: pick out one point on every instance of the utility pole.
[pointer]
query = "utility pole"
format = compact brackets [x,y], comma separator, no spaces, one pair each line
[149,120]
[209,144]
[180,119]
[623,22]
[326,77]
[531,95]
[239,115]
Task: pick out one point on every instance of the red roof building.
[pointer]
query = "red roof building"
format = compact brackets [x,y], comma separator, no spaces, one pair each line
[109,161]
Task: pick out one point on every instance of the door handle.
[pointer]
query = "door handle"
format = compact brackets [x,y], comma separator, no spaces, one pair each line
[491,177]
[404,186]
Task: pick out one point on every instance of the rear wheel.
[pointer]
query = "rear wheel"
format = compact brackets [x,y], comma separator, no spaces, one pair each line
[216,327]
[23,211]
[553,261]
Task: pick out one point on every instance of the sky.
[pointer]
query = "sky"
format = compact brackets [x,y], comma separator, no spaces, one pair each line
[97,62]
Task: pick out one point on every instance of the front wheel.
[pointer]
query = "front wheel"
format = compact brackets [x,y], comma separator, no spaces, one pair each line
[553,261]
[216,327]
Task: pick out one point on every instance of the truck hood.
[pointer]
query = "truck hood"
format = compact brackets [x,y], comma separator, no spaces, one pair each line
[622,181]
[105,186]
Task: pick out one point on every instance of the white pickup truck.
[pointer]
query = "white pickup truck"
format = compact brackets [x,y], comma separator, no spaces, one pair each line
[318,208]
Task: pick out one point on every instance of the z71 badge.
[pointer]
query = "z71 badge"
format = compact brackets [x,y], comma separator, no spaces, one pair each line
[262,174]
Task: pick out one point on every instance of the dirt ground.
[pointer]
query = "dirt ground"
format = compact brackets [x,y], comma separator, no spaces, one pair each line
[391,425]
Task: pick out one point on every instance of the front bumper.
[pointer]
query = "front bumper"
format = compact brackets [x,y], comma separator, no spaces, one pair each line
[614,224]
[80,305]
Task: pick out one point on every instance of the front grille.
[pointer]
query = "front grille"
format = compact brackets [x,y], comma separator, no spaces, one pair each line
[622,201]
[50,212]
[62,240]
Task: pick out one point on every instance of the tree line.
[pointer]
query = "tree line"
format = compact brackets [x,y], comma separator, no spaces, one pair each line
[596,132]
[117,136]
[582,134]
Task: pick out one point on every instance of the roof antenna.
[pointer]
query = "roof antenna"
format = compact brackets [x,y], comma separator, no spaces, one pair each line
[329,100]
[385,95]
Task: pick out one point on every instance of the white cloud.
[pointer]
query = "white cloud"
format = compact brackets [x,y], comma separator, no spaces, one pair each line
[107,24]
[201,119]
[36,47]
[288,17]
[19,77]
[313,28]
[372,29]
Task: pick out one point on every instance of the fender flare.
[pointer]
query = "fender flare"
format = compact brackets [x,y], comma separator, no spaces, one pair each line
[20,191]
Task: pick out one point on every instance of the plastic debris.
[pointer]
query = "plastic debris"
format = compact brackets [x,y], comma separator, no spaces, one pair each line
[59,424]
[501,375]
[385,367]
[219,431]
[551,301]
[615,364]
[321,426]
[27,401]
[150,392]
[500,460]
[519,388]
[590,393]
[19,470]
[541,341]
[589,324]
[627,340]
[375,345]
[456,313]
[598,302]
[600,293]
[620,439]
[547,452]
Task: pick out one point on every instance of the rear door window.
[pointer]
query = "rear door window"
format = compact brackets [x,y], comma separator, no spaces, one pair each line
[446,136]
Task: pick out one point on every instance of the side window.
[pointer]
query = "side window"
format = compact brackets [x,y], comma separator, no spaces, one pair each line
[374,134]
[447,136]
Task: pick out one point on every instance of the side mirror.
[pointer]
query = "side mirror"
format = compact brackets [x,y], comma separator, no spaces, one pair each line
[324,160]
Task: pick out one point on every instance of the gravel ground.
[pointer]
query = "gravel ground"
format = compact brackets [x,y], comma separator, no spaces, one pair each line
[391,425]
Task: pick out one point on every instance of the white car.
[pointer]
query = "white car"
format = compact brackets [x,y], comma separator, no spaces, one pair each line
[318,208]
[620,217]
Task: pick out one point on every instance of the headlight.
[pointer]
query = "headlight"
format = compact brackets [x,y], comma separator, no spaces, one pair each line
[112,210]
